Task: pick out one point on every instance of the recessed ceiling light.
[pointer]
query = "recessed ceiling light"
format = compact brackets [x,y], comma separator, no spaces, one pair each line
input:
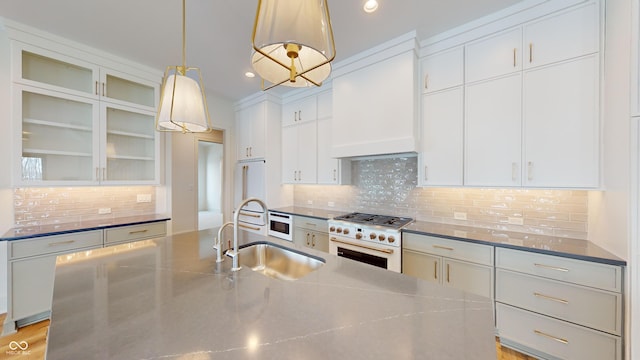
[249,74]
[370,6]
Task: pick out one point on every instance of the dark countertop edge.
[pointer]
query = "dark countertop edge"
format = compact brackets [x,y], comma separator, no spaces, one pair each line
[124,222]
[608,261]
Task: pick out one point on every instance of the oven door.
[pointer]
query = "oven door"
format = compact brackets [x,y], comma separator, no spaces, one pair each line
[383,256]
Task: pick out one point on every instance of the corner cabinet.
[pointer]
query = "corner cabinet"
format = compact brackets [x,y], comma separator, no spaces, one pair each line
[81,123]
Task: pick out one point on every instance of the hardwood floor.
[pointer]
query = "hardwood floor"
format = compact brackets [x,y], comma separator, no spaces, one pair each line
[36,337]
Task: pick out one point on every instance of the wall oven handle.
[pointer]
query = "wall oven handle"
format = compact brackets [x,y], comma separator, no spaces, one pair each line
[386,251]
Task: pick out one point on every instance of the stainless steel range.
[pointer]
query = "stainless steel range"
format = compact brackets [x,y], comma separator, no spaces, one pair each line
[369,238]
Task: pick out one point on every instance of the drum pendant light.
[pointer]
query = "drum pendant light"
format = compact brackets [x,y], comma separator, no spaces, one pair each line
[293,42]
[183,104]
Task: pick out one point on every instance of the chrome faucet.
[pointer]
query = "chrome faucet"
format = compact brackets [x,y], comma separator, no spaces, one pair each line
[233,253]
[218,242]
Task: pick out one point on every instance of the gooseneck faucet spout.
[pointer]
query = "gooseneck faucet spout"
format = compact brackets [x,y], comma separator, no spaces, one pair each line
[218,242]
[233,253]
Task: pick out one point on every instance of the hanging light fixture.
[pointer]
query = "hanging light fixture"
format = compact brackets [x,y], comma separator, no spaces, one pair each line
[183,104]
[293,42]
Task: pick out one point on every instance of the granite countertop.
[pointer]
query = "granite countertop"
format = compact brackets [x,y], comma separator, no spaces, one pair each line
[29,232]
[168,299]
[550,245]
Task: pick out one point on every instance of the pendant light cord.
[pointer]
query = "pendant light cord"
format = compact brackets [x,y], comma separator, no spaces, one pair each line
[184,36]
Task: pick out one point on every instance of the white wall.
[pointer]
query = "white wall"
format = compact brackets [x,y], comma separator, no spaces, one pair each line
[182,184]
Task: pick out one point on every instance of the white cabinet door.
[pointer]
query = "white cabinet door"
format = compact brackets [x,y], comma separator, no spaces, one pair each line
[251,132]
[443,70]
[473,278]
[562,36]
[493,132]
[494,56]
[299,111]
[307,152]
[289,154]
[561,124]
[442,138]
[325,105]
[124,89]
[421,265]
[328,167]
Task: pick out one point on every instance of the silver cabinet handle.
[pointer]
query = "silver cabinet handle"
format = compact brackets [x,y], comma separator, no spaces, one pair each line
[299,175]
[310,224]
[443,247]
[138,231]
[246,152]
[67,242]
[104,91]
[299,115]
[550,267]
[97,174]
[104,173]
[335,175]
[514,171]
[250,150]
[560,340]
[530,52]
[514,57]
[425,173]
[97,88]
[530,170]
[552,298]
[426,81]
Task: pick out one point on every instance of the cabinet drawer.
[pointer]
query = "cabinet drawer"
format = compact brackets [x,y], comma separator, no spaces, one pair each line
[460,250]
[135,232]
[554,337]
[601,276]
[54,244]
[310,223]
[573,303]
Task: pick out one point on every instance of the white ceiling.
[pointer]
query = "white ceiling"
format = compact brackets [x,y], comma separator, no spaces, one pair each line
[219,31]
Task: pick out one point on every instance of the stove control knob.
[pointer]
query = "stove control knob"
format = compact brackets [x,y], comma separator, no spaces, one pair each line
[332,229]
[372,236]
[391,239]
[339,230]
[358,236]
[381,237]
[345,231]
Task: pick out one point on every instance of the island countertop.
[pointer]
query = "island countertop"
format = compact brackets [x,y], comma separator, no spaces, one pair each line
[168,299]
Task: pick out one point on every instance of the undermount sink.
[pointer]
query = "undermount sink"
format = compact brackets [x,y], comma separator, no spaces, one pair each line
[277,261]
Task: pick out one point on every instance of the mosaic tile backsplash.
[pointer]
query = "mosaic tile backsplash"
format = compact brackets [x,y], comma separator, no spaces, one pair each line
[388,186]
[55,205]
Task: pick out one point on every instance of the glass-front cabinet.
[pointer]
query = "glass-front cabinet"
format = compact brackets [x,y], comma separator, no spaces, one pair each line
[81,123]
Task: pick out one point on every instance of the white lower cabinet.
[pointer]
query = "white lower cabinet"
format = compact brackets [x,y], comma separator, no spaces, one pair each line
[311,233]
[457,264]
[558,308]
[32,262]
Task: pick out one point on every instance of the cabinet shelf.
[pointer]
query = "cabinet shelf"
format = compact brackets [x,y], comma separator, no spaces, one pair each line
[56,124]
[55,152]
[125,157]
[130,134]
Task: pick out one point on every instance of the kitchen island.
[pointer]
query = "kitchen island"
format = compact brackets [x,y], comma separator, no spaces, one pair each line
[167,298]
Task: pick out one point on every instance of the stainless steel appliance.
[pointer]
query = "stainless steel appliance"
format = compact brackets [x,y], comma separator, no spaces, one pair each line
[368,238]
[281,225]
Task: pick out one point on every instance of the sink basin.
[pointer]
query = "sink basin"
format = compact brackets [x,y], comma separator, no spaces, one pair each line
[277,261]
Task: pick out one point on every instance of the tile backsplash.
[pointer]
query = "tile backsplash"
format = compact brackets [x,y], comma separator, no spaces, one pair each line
[389,186]
[53,205]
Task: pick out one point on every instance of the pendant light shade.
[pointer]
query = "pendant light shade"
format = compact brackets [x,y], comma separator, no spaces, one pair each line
[293,42]
[183,104]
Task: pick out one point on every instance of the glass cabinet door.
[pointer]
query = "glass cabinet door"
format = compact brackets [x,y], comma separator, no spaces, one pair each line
[128,90]
[59,137]
[131,148]
[49,70]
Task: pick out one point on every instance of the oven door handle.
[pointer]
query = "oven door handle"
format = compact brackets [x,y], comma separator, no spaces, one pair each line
[386,251]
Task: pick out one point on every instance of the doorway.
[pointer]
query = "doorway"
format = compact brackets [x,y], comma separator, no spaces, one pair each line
[210,179]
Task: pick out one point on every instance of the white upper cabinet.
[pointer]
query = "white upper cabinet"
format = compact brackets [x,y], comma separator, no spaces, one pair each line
[375,105]
[441,156]
[493,132]
[443,70]
[561,124]
[72,133]
[250,138]
[299,111]
[493,56]
[562,36]
[331,171]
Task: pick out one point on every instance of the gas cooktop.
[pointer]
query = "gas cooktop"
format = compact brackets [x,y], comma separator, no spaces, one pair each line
[394,222]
